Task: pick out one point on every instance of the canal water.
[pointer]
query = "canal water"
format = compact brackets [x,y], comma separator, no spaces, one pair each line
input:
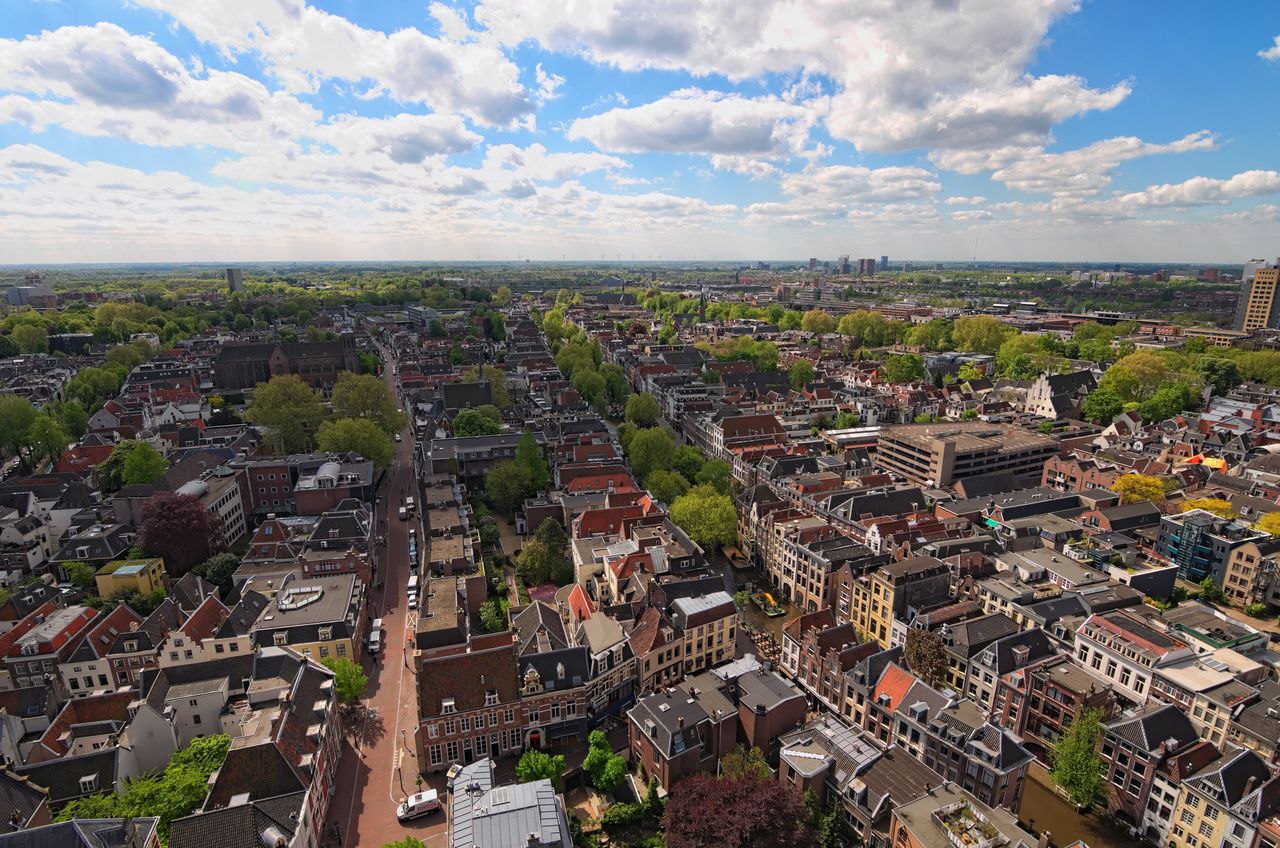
[1043,809]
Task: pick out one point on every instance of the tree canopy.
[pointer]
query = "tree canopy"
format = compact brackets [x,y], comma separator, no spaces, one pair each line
[290,410]
[179,529]
[642,410]
[1076,765]
[1135,488]
[651,450]
[364,396]
[349,679]
[708,516]
[536,765]
[357,435]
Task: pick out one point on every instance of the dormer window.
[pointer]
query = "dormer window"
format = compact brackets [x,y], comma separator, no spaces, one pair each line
[89,783]
[447,706]
[326,633]
[490,699]
[280,639]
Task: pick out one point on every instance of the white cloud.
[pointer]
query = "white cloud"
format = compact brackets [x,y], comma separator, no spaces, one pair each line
[962,200]
[856,184]
[1205,191]
[755,169]
[104,81]
[1271,53]
[972,215]
[548,83]
[697,121]
[909,73]
[464,72]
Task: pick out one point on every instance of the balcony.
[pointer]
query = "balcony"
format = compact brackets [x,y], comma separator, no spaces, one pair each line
[965,827]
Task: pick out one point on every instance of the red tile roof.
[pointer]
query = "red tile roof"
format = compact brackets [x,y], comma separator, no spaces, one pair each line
[895,682]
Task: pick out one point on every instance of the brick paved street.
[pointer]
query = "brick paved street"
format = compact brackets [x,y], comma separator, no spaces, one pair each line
[379,767]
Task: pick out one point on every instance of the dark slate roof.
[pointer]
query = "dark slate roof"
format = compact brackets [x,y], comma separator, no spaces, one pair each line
[1256,720]
[245,824]
[966,638]
[1150,729]
[538,627]
[559,669]
[19,798]
[1236,778]
[62,777]
[244,615]
[1035,639]
[190,590]
[261,770]
[86,833]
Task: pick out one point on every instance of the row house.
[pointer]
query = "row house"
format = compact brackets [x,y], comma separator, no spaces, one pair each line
[953,737]
[87,668]
[35,648]
[801,555]
[1040,701]
[469,701]
[1126,651]
[1133,748]
[896,592]
[1221,805]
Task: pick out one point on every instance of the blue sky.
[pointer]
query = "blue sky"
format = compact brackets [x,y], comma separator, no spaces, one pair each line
[188,130]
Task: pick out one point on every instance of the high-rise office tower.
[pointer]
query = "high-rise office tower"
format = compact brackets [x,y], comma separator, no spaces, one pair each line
[235,279]
[813,263]
[844,264]
[884,263]
[1259,305]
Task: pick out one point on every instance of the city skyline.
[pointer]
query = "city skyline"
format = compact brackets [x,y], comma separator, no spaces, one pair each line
[168,131]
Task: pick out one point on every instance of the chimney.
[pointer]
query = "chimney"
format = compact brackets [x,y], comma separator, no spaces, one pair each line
[680,721]
[1044,840]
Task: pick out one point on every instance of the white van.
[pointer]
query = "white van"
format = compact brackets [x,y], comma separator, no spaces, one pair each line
[418,805]
[413,583]
[374,641]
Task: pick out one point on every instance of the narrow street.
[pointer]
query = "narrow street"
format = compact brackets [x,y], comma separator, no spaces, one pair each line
[379,767]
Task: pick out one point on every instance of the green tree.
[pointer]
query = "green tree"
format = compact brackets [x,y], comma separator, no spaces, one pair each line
[718,474]
[16,417]
[529,456]
[540,563]
[925,656]
[864,327]
[642,410]
[666,485]
[31,338]
[45,440]
[592,387]
[366,397]
[688,461]
[980,334]
[932,335]
[1137,376]
[818,322]
[551,533]
[1169,400]
[743,762]
[1223,374]
[1102,404]
[651,450]
[290,410]
[73,418]
[603,767]
[801,374]
[904,368]
[472,422]
[615,382]
[406,842]
[502,296]
[707,516]
[218,570]
[349,678]
[493,615]
[130,463]
[509,483]
[535,765]
[436,329]
[1211,593]
[1075,763]
[357,435]
[79,573]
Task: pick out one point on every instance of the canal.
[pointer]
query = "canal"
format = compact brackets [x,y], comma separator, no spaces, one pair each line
[1043,809]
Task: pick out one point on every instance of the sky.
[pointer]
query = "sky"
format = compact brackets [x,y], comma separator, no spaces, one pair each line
[294,130]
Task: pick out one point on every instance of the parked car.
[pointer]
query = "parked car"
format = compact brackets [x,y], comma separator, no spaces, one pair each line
[374,640]
[421,804]
[397,437]
[404,514]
